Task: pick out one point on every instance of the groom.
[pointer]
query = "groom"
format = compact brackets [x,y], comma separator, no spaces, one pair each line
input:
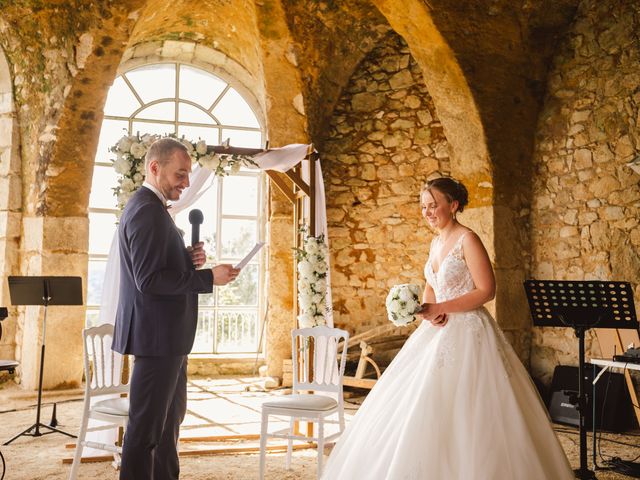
[157,313]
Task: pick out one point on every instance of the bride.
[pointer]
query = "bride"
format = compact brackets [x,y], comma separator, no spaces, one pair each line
[455,403]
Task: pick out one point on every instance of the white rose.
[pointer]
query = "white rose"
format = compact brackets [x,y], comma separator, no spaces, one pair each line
[224,163]
[395,306]
[127,185]
[319,320]
[305,320]
[235,168]
[304,301]
[317,299]
[138,178]
[405,294]
[124,144]
[304,286]
[321,285]
[138,150]
[311,246]
[122,166]
[147,139]
[201,147]
[411,307]
[321,266]
[305,268]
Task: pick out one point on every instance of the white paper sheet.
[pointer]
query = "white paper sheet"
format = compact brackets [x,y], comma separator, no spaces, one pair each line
[256,248]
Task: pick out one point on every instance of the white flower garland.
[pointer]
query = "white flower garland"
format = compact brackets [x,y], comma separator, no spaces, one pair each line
[403,303]
[131,151]
[312,283]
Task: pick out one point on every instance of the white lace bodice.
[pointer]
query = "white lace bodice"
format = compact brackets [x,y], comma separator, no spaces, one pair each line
[453,278]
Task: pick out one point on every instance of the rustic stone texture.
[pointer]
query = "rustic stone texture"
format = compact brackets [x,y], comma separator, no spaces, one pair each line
[485,74]
[374,168]
[586,212]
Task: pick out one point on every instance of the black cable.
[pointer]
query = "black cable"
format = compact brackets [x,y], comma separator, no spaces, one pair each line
[4,466]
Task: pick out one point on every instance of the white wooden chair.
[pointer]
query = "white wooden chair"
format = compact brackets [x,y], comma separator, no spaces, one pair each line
[103,373]
[318,373]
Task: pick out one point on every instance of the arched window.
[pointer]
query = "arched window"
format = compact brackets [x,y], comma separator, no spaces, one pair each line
[188,101]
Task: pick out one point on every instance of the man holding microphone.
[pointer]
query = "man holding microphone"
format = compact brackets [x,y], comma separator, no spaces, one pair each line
[157,313]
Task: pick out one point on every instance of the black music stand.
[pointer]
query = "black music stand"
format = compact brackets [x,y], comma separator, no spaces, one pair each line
[581,305]
[44,291]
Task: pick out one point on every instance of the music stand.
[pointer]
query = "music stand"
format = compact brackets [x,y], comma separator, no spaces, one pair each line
[581,305]
[44,291]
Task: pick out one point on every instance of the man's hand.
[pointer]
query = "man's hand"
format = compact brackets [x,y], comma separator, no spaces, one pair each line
[223,274]
[197,254]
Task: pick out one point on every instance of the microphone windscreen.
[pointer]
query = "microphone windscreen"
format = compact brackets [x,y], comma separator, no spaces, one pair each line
[196,217]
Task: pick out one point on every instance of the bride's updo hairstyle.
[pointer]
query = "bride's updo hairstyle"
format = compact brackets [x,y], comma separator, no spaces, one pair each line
[452,189]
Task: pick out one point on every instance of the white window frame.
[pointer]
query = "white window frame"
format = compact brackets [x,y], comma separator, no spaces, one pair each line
[259,218]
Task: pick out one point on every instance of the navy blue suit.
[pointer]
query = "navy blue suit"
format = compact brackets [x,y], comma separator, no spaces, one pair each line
[156,321]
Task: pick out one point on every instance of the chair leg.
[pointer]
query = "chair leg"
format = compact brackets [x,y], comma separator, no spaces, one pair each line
[77,457]
[341,420]
[263,442]
[320,445]
[289,445]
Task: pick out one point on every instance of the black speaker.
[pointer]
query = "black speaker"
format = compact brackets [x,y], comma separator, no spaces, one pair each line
[613,413]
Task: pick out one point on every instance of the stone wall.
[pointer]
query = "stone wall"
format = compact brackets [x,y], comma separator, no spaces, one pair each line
[10,203]
[586,209]
[385,140]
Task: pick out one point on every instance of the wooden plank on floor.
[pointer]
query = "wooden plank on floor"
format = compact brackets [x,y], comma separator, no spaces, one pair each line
[207,451]
[215,438]
[358,382]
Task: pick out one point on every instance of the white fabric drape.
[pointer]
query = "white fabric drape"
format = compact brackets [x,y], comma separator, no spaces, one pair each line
[278,159]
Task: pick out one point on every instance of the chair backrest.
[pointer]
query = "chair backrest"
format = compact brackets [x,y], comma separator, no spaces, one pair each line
[315,358]
[106,375]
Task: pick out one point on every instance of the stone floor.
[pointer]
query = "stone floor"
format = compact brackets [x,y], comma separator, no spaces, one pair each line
[221,406]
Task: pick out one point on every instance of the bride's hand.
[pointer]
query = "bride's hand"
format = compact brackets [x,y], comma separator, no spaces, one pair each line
[440,321]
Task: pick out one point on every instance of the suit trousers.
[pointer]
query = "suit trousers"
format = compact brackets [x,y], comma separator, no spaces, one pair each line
[157,407]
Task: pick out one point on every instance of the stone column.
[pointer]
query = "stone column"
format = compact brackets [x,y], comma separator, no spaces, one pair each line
[10,205]
[54,246]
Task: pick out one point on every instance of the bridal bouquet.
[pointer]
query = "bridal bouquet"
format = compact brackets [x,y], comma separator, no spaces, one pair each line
[403,303]
[312,281]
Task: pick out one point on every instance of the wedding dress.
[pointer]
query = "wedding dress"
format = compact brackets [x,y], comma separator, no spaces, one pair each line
[455,404]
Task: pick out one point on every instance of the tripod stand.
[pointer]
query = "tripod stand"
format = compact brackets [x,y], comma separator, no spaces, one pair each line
[581,305]
[44,291]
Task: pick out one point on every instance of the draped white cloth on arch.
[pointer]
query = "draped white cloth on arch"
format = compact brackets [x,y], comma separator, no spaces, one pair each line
[278,159]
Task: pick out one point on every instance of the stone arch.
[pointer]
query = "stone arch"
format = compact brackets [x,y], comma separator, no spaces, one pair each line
[10,201]
[451,95]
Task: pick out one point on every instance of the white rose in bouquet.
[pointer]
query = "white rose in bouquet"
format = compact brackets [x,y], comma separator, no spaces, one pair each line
[201,147]
[138,150]
[305,268]
[124,144]
[122,166]
[306,320]
[403,303]
[235,168]
[311,246]
[305,302]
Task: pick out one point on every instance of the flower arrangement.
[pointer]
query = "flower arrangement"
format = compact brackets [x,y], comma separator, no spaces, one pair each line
[312,283]
[131,150]
[403,303]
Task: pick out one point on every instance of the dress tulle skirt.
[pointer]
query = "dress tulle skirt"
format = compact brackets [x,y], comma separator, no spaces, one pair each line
[456,403]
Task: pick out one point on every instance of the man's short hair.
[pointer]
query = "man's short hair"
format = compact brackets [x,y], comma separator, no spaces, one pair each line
[162,150]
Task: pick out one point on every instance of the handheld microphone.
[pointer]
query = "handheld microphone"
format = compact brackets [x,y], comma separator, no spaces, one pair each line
[195,219]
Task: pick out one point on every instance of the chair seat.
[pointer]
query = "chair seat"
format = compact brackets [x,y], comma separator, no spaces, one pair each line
[8,364]
[112,406]
[302,402]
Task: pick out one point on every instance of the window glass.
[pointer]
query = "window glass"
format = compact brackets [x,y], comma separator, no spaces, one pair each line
[144,101]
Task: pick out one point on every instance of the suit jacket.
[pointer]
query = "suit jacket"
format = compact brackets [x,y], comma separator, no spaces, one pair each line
[158,305]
